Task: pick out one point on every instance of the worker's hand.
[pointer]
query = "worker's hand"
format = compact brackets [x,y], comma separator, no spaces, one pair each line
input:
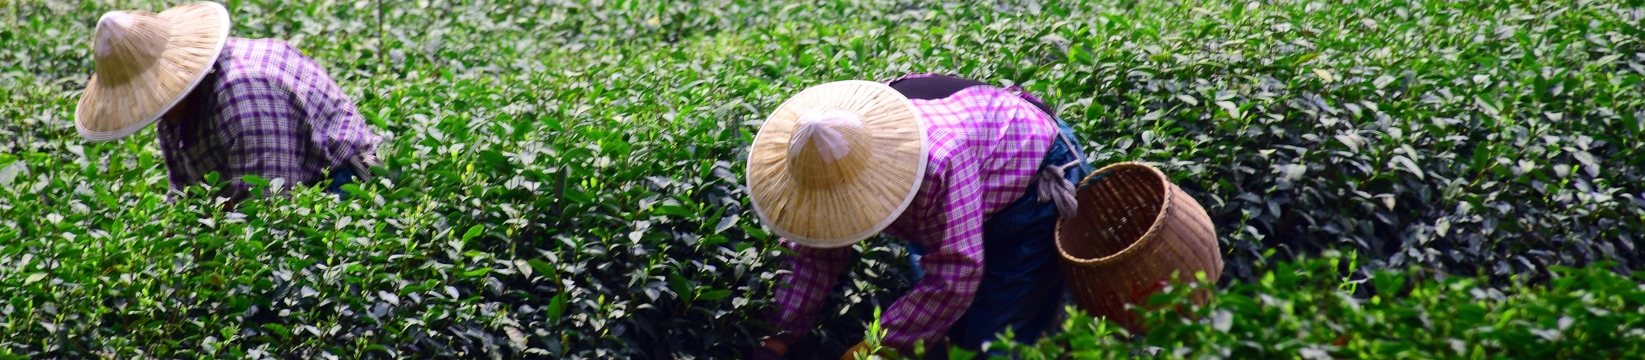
[862,351]
[771,349]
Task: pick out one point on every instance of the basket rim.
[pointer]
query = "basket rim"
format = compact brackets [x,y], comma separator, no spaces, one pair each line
[1147,237]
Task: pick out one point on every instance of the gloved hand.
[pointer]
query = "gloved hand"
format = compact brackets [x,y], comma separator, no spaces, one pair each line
[764,353]
[771,349]
[862,349]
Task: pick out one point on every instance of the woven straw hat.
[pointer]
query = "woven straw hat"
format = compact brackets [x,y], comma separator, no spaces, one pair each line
[145,63]
[837,163]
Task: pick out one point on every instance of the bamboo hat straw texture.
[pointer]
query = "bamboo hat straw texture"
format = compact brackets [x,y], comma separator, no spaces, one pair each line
[837,163]
[145,63]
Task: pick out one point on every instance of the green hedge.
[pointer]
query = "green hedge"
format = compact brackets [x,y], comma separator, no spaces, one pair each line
[1306,310]
[564,179]
[1470,138]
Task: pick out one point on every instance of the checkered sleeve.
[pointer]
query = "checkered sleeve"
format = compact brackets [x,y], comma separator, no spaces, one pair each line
[338,131]
[263,128]
[954,258]
[812,274]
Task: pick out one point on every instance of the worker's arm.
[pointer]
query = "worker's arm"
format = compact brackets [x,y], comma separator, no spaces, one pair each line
[337,131]
[952,236]
[801,291]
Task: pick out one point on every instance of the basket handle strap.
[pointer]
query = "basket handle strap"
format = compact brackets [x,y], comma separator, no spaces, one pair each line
[1054,185]
[1078,155]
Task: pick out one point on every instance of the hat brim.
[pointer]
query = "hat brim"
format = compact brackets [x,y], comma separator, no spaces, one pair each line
[857,208]
[199,32]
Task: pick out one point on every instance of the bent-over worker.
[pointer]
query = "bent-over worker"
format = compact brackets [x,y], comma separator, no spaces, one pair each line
[227,105]
[972,176]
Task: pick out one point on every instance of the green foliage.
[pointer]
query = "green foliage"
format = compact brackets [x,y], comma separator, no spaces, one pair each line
[564,179]
[1297,311]
[872,338]
[534,199]
[1471,138]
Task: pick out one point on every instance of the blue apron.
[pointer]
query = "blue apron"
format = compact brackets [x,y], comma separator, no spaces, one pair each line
[1022,286]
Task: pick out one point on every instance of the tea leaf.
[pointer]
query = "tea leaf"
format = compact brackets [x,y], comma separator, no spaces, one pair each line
[1306,58]
[473,231]
[1324,75]
[713,295]
[11,172]
[556,307]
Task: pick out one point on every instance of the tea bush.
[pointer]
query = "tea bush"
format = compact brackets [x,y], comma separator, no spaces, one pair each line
[1306,310]
[563,179]
[1471,138]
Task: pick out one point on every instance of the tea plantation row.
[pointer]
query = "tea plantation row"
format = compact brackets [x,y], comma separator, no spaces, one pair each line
[1302,310]
[563,179]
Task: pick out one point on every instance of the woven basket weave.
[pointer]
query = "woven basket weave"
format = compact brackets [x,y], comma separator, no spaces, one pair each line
[1134,228]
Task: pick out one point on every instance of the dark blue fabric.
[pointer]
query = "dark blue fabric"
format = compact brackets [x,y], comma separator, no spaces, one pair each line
[1022,287]
[341,177]
[942,86]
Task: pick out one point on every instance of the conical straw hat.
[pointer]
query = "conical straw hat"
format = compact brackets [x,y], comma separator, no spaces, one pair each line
[145,63]
[837,163]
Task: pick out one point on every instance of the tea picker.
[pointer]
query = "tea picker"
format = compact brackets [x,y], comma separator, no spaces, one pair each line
[972,176]
[231,106]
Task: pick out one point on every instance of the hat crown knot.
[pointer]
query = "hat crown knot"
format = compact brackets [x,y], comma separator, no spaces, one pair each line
[829,147]
[127,43]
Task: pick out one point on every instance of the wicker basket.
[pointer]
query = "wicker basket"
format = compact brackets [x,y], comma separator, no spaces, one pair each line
[1133,230]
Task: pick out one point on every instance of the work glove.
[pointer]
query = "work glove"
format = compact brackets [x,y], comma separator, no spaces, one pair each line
[770,349]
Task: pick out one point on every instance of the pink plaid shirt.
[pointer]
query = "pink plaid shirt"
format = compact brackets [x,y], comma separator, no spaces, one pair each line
[986,144]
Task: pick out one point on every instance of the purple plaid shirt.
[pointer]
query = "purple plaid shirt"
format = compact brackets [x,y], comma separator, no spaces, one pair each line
[986,143]
[268,111]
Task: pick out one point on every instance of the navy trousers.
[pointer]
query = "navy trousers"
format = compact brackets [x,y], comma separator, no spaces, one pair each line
[341,177]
